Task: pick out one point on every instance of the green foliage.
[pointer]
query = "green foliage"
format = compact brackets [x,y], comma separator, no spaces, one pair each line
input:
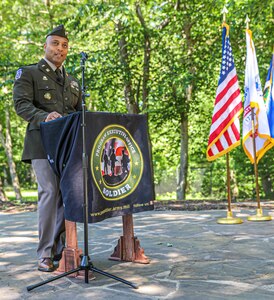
[185,50]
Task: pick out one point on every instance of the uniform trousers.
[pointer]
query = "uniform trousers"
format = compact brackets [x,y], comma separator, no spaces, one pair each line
[51,222]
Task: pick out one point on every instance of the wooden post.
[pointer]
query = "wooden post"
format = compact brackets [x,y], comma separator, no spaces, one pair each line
[128,247]
[71,254]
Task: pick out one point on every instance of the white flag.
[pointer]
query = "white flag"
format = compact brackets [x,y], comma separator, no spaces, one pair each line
[254,99]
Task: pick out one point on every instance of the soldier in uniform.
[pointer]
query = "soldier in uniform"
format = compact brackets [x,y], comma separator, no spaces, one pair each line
[44,92]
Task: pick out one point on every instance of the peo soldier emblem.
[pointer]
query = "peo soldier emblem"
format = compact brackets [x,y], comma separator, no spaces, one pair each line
[116,163]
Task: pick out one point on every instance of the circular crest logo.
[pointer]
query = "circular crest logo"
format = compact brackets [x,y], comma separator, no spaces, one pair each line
[116,163]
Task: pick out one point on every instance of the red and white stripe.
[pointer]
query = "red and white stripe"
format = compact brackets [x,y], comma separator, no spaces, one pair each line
[225,127]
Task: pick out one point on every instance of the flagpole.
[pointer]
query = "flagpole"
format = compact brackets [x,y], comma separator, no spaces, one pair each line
[229,218]
[229,212]
[259,215]
[255,158]
[259,212]
[228,185]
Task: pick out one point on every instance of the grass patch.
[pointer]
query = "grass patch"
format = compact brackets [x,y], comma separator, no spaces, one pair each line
[166,196]
[28,195]
[189,197]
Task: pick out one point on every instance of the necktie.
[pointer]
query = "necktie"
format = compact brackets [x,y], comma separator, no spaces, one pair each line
[59,75]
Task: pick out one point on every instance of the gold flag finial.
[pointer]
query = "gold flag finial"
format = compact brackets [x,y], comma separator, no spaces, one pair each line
[224,12]
[247,20]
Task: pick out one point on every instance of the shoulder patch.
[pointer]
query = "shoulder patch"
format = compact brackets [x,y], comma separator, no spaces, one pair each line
[18,74]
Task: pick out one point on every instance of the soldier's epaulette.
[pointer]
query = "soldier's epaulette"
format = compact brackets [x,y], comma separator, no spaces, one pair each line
[27,66]
[31,65]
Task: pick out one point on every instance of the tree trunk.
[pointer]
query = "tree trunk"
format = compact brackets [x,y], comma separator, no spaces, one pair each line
[267,186]
[3,196]
[183,168]
[183,172]
[7,144]
[128,90]
[234,186]
[147,49]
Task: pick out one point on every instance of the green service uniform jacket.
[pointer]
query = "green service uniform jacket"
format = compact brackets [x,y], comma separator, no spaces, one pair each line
[38,91]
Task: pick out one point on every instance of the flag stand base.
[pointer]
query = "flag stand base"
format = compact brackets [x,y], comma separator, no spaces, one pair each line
[259,216]
[229,220]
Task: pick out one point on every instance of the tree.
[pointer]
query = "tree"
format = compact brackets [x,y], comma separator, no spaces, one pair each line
[156,57]
[7,144]
[3,196]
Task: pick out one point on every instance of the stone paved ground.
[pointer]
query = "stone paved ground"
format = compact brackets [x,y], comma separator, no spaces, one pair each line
[192,257]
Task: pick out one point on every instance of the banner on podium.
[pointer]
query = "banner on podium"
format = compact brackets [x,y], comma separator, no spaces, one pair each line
[119,164]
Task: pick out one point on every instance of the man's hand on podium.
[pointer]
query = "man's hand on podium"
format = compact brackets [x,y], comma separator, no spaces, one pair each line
[52,116]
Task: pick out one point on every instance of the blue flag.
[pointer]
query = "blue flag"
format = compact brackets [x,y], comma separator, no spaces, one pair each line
[269,99]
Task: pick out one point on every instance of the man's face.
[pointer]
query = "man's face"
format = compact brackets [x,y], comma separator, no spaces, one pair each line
[56,49]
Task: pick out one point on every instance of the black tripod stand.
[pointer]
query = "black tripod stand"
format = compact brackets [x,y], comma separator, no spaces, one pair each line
[86,263]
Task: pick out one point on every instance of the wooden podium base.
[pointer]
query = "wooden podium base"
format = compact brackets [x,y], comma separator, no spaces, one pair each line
[70,260]
[120,252]
[127,249]
[71,254]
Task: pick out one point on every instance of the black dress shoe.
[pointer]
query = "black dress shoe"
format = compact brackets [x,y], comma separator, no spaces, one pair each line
[45,265]
[55,264]
[57,257]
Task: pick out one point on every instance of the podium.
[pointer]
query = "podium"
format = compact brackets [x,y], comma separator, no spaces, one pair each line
[119,175]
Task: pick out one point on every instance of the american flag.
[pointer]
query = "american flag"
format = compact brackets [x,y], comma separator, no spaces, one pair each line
[225,127]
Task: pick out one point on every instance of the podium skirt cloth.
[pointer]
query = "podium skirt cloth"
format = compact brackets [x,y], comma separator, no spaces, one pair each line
[120,179]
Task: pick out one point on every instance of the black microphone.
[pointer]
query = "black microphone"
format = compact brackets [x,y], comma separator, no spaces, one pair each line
[84,55]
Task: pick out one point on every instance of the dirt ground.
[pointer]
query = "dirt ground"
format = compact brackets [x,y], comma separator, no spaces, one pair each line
[10,207]
[187,205]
